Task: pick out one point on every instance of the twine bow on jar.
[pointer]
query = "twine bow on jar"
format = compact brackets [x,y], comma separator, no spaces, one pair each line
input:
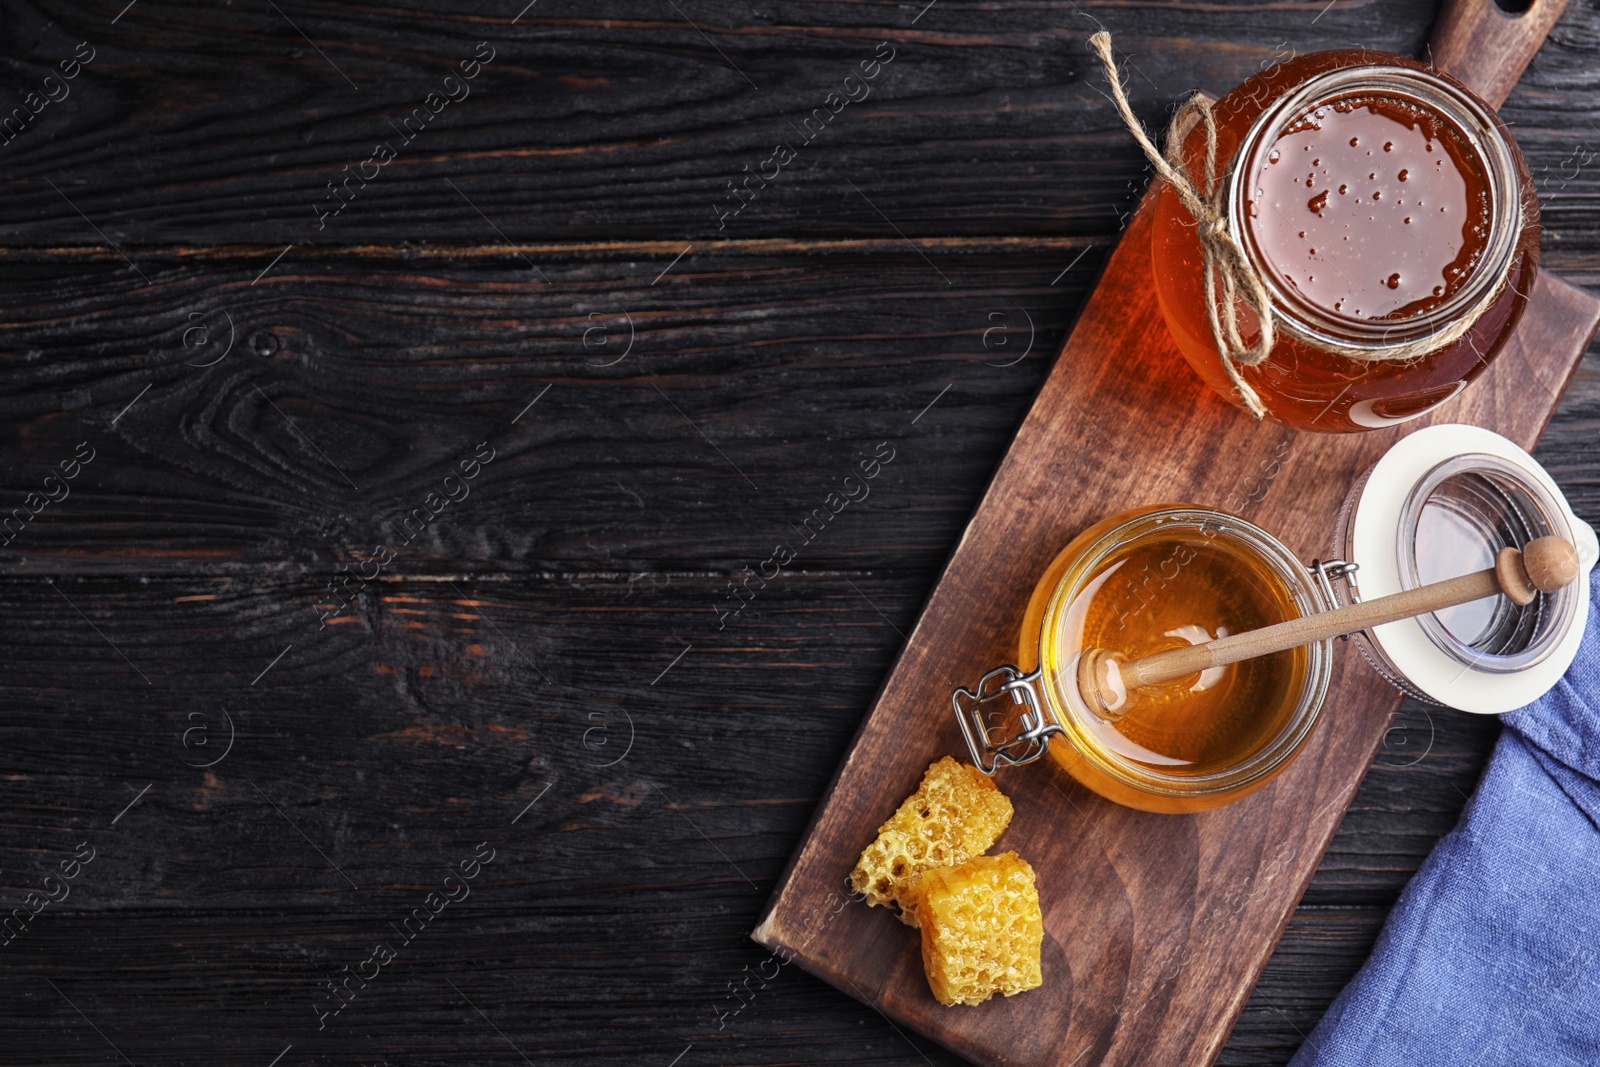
[1230,277]
[1225,264]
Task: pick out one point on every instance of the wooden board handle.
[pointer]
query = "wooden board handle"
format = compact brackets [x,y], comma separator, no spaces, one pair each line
[1488,48]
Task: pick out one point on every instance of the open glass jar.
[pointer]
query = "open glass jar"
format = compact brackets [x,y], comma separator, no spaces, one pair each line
[1433,507]
[1440,503]
[1380,202]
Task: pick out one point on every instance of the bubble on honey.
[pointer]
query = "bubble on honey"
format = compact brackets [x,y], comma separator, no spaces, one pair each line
[1273,157]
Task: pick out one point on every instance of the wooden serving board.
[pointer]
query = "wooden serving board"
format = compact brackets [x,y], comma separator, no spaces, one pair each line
[1156,926]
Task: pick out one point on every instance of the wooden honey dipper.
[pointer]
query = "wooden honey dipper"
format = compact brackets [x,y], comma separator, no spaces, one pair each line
[1107,679]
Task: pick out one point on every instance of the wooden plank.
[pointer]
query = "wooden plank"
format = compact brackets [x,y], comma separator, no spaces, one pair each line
[1156,926]
[429,719]
[394,368]
[206,124]
[356,383]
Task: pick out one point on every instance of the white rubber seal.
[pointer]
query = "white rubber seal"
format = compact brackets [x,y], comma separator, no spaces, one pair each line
[1374,532]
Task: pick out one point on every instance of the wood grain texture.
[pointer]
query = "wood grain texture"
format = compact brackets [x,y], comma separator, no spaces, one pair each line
[663,398]
[602,122]
[207,124]
[387,748]
[1155,925]
[393,368]
[201,538]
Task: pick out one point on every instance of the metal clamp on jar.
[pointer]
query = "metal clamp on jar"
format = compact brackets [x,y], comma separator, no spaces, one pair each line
[1442,502]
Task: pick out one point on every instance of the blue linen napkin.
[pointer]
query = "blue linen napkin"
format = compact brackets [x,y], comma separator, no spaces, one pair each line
[1492,955]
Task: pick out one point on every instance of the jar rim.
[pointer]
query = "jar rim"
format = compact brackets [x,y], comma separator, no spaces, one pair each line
[1529,511]
[1066,706]
[1459,108]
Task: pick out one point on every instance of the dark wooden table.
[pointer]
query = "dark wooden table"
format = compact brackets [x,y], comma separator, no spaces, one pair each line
[422,504]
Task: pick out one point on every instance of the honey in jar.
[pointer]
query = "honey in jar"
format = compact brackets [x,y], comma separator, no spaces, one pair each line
[1208,722]
[1158,578]
[1379,201]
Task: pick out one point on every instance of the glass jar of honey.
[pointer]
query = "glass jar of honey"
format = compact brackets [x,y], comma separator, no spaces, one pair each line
[1380,202]
[1144,581]
[1442,502]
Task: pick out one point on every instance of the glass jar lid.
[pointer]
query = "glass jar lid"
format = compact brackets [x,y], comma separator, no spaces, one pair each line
[1443,502]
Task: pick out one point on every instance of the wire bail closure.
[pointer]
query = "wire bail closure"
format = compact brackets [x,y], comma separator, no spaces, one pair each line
[1326,571]
[1011,751]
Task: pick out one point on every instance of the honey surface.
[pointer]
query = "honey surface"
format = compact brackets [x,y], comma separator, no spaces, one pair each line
[1161,594]
[1371,208]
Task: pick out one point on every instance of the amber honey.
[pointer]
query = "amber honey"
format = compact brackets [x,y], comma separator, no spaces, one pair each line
[1370,208]
[1377,212]
[1156,579]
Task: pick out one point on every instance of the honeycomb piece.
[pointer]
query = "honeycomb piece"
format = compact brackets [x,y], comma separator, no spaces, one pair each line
[981,929]
[954,815]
